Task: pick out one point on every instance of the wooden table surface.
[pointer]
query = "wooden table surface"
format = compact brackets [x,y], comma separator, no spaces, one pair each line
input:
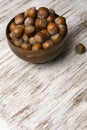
[50,96]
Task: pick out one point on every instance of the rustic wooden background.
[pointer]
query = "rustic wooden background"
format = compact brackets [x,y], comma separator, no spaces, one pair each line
[50,96]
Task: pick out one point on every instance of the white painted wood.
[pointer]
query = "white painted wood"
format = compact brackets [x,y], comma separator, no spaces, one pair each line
[50,96]
[3,125]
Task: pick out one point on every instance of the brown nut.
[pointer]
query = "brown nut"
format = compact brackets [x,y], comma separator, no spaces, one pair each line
[17,31]
[18,42]
[29,21]
[80,48]
[45,31]
[50,18]
[52,11]
[37,47]
[25,37]
[12,26]
[25,46]
[21,26]
[32,40]
[60,20]
[31,12]
[40,37]
[11,35]
[41,23]
[56,38]
[19,19]
[62,29]
[15,39]
[47,44]
[29,30]
[43,12]
[52,28]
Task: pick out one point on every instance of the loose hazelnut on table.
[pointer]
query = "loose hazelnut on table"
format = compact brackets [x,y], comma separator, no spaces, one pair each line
[37,47]
[26,46]
[25,37]
[29,21]
[56,38]
[47,44]
[60,20]
[43,12]
[40,37]
[41,23]
[19,19]
[52,28]
[29,30]
[62,29]
[80,48]
[17,31]
[32,40]
[31,12]
[12,26]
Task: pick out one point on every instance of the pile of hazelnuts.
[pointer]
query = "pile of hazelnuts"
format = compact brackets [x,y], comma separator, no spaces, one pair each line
[37,29]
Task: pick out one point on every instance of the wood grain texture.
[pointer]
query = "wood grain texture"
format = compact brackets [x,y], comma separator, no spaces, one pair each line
[50,96]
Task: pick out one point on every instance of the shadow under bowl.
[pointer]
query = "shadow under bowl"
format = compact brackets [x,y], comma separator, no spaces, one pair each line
[40,56]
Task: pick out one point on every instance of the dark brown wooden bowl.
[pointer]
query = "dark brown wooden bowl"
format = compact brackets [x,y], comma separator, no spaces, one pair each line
[40,56]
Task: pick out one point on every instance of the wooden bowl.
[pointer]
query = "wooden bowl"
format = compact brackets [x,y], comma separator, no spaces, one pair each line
[40,56]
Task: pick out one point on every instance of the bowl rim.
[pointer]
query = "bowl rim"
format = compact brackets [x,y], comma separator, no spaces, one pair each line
[30,51]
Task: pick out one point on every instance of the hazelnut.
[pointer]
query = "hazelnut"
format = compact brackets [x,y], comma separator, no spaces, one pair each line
[19,19]
[56,38]
[41,23]
[29,21]
[18,42]
[43,12]
[31,12]
[17,31]
[60,20]
[52,11]
[15,39]
[26,46]
[12,26]
[45,31]
[47,44]
[80,48]
[50,18]
[21,26]
[32,40]
[52,28]
[11,35]
[62,29]
[25,37]
[40,37]
[29,30]
[36,47]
